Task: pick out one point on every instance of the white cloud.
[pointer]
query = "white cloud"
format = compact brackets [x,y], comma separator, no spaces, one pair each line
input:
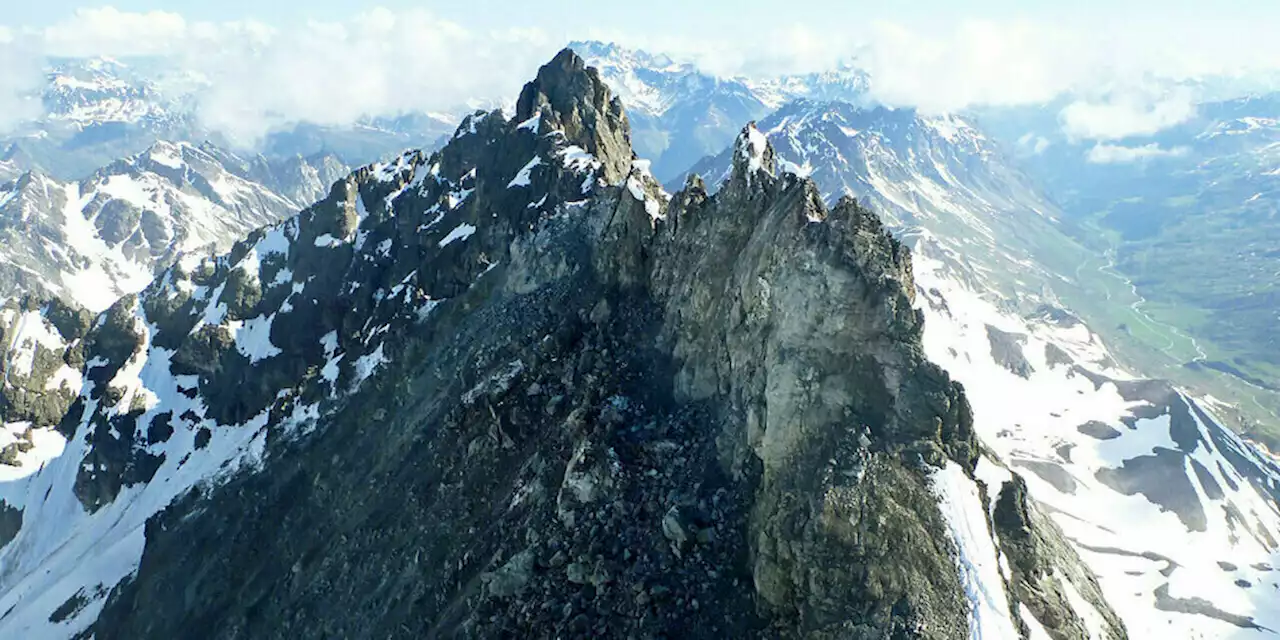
[376,63]
[20,80]
[383,62]
[977,62]
[108,31]
[1033,144]
[1104,153]
[1123,116]
[254,77]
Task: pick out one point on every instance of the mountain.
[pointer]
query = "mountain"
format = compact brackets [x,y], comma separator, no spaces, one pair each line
[1177,515]
[514,385]
[98,110]
[680,114]
[95,111]
[939,172]
[845,83]
[40,368]
[99,91]
[360,142]
[1186,220]
[9,170]
[94,241]
[301,180]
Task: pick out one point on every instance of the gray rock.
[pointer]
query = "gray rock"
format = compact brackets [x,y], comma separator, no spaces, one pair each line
[1039,558]
[577,573]
[1006,350]
[674,528]
[511,578]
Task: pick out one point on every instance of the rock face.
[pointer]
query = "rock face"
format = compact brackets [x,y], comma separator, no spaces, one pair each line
[1044,566]
[574,100]
[513,386]
[1145,481]
[40,368]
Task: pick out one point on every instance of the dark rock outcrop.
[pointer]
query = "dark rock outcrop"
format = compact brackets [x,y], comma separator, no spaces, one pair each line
[1006,350]
[576,101]
[1041,561]
[10,522]
[35,355]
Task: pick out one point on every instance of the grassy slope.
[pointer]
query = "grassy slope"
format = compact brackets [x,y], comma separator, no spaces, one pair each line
[1186,303]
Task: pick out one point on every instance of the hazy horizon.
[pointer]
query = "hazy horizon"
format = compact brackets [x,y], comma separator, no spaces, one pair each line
[254,65]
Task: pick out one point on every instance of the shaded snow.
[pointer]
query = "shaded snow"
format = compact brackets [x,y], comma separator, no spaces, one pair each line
[978,565]
[365,365]
[460,232]
[524,175]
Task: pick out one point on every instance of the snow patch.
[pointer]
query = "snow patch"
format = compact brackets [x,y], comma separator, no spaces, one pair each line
[976,558]
[30,333]
[751,146]
[460,232]
[327,240]
[532,123]
[253,339]
[1093,621]
[365,365]
[523,178]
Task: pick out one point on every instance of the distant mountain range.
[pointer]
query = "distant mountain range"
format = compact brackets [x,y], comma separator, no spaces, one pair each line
[680,114]
[94,240]
[98,110]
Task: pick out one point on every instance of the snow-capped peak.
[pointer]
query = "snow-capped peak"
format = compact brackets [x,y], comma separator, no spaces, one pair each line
[752,152]
[607,56]
[93,241]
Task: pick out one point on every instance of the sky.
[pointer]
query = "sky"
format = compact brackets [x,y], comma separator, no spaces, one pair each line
[264,62]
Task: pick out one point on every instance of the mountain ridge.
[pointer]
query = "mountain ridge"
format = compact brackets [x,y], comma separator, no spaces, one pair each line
[513,334]
[1096,441]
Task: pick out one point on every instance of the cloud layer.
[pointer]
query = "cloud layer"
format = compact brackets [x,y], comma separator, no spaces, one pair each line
[20,80]
[254,77]
[251,77]
[1122,116]
[375,64]
[1104,153]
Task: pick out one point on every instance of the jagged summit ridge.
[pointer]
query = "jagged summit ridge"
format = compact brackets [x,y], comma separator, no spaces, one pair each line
[487,389]
[576,101]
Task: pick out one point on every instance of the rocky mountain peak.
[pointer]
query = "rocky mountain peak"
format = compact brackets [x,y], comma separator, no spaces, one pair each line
[22,197]
[571,97]
[752,154]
